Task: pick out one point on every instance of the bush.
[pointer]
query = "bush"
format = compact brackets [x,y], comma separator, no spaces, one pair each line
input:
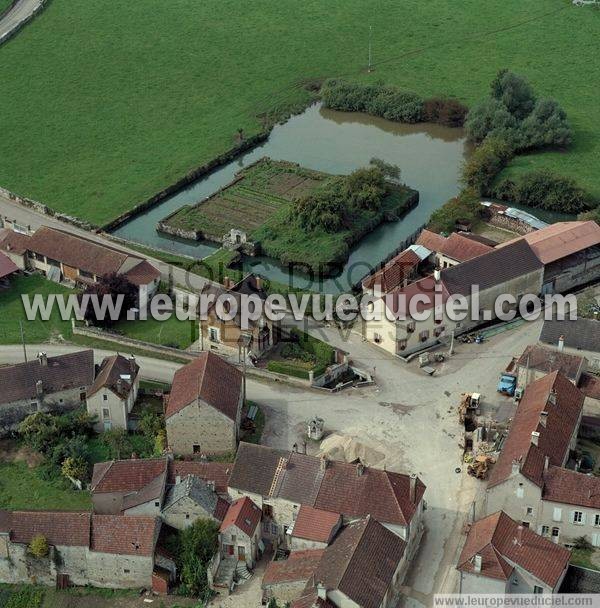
[486,162]
[465,207]
[294,351]
[491,118]
[544,190]
[514,93]
[444,111]
[546,126]
[594,215]
[26,597]
[583,544]
[39,546]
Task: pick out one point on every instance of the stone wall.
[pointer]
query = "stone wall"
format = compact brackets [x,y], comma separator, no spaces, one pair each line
[8,35]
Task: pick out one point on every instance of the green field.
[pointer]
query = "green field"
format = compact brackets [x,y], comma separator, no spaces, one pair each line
[106,103]
[12,309]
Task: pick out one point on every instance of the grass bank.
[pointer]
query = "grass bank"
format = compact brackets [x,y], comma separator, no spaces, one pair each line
[114,113]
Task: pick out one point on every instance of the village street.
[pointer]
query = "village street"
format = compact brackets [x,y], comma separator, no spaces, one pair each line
[406,422]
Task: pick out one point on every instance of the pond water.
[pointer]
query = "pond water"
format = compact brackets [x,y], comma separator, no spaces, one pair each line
[429,156]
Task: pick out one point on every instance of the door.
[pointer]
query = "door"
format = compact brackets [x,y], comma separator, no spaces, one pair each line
[241,553]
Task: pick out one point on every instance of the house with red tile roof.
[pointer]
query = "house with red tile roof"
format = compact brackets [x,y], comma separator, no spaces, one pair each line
[7,269]
[113,393]
[84,549]
[149,487]
[314,528]
[538,360]
[398,272]
[281,482]
[502,556]
[203,411]
[240,532]
[541,436]
[453,249]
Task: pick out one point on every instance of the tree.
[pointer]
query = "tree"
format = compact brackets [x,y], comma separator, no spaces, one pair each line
[514,92]
[197,545]
[465,207]
[547,125]
[114,287]
[74,468]
[116,441]
[486,162]
[390,172]
[491,117]
[39,431]
[39,546]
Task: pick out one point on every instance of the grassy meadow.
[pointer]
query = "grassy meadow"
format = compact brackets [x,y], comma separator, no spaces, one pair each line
[106,103]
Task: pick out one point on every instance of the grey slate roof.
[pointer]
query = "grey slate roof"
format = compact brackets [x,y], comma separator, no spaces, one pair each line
[581,334]
[196,489]
[493,268]
[62,372]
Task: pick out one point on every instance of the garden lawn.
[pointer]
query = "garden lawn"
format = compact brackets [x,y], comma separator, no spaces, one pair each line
[106,103]
[21,488]
[174,333]
[12,311]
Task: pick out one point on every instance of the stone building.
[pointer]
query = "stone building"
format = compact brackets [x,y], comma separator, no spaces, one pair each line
[204,408]
[113,393]
[577,337]
[281,482]
[45,384]
[240,532]
[230,338]
[453,249]
[537,361]
[501,556]
[84,549]
[313,528]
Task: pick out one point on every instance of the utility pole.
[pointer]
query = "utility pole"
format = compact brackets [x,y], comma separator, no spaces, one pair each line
[370,36]
[23,340]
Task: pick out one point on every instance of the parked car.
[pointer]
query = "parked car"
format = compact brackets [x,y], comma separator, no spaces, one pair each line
[507,384]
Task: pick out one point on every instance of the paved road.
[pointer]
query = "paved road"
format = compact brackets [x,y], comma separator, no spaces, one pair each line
[21,10]
[407,422]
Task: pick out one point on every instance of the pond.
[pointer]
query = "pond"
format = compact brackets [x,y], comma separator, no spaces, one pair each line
[429,156]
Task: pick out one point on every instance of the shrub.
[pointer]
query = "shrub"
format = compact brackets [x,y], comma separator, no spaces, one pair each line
[583,544]
[39,546]
[75,468]
[444,111]
[292,350]
[490,117]
[111,285]
[514,92]
[26,597]
[486,162]
[594,215]
[465,206]
[547,125]
[545,190]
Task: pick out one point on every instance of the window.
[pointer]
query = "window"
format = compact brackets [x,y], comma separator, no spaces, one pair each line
[187,515]
[267,511]
[125,570]
[529,510]
[555,534]
[545,530]
[525,524]
[578,517]
[557,514]
[401,344]
[196,448]
[376,337]
[107,425]
[274,529]
[33,404]
[424,335]
[520,491]
[213,334]
[82,396]
[105,413]
[537,589]
[597,519]
[156,503]
[104,397]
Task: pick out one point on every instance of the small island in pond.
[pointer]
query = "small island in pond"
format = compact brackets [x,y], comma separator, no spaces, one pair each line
[293,214]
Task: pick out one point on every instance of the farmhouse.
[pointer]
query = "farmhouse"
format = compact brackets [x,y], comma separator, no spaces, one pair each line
[14,246]
[580,336]
[313,528]
[536,361]
[240,532]
[150,487]
[502,556]
[398,272]
[204,409]
[84,549]
[113,393]
[46,384]
[62,256]
[453,249]
[281,482]
[229,338]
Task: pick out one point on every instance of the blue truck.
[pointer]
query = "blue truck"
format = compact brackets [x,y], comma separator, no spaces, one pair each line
[507,384]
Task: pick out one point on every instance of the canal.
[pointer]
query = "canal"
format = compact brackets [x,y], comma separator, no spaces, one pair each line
[429,156]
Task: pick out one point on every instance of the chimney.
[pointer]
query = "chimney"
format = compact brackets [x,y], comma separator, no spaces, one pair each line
[360,469]
[304,447]
[323,463]
[437,275]
[520,535]
[43,358]
[552,397]
[39,388]
[132,364]
[413,488]
[211,484]
[516,467]
[8,247]
[477,563]
[119,384]
[227,282]
[561,343]
[178,479]
[321,591]
[258,281]
[535,436]
[295,448]
[543,418]
[546,462]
